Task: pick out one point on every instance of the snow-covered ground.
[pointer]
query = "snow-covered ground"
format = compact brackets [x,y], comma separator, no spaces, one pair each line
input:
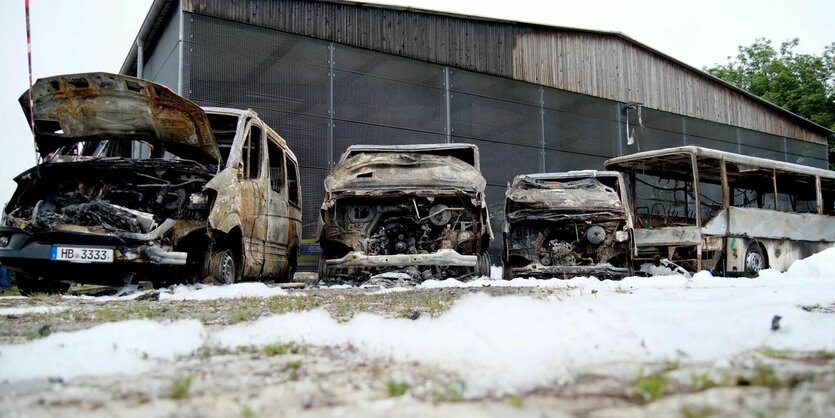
[496,345]
[236,291]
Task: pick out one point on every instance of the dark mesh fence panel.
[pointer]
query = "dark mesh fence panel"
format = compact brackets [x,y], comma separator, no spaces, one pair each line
[571,132]
[480,117]
[580,104]
[802,152]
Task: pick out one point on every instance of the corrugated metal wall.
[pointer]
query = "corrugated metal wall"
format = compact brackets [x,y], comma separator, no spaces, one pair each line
[602,65]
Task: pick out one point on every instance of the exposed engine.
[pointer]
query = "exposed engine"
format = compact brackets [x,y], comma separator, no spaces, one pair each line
[568,244]
[108,199]
[407,225]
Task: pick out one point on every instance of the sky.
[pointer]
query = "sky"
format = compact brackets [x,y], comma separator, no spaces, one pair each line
[95,35]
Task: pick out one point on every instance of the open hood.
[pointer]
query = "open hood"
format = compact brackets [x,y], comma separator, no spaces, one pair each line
[102,106]
[403,171]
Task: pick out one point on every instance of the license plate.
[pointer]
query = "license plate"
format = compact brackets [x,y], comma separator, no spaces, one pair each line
[82,254]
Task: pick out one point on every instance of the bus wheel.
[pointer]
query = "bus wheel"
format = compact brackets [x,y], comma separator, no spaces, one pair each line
[754,260]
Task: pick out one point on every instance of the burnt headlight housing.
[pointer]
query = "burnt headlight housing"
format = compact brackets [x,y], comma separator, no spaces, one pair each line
[4,240]
[621,236]
[198,200]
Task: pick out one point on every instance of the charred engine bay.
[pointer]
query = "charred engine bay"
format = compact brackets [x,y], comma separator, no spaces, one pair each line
[567,243]
[404,225]
[108,195]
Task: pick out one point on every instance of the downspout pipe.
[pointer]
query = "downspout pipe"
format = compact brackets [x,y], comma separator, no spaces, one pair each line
[140,58]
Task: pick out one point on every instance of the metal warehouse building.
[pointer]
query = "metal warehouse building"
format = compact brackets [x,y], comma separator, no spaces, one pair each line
[328,74]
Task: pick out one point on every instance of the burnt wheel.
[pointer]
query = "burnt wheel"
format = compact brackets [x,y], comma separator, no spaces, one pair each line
[507,273]
[483,265]
[292,264]
[224,268]
[29,285]
[755,260]
[323,269]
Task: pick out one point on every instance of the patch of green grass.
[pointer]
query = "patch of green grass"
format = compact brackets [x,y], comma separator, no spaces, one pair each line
[671,365]
[515,401]
[247,412]
[450,393]
[697,413]
[763,376]
[701,381]
[651,387]
[12,291]
[397,388]
[242,313]
[281,349]
[776,354]
[343,310]
[280,305]
[181,388]
[292,369]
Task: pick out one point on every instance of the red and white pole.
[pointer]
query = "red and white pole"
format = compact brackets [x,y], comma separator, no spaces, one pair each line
[29,52]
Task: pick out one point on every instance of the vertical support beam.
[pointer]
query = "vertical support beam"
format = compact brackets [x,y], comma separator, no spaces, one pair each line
[726,187]
[819,193]
[331,76]
[698,202]
[774,181]
[738,141]
[181,17]
[447,100]
[542,126]
[684,130]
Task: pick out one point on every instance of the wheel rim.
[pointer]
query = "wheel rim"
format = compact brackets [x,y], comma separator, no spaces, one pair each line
[226,269]
[753,261]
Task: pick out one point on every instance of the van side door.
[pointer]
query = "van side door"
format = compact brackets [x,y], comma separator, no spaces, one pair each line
[254,199]
[275,248]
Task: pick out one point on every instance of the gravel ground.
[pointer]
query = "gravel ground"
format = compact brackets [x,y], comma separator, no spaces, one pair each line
[291,380]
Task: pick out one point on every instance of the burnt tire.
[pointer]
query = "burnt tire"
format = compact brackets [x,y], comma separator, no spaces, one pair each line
[507,273]
[483,265]
[322,271]
[292,265]
[30,285]
[755,260]
[224,267]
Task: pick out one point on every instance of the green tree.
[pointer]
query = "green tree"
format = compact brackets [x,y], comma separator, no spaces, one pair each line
[801,83]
